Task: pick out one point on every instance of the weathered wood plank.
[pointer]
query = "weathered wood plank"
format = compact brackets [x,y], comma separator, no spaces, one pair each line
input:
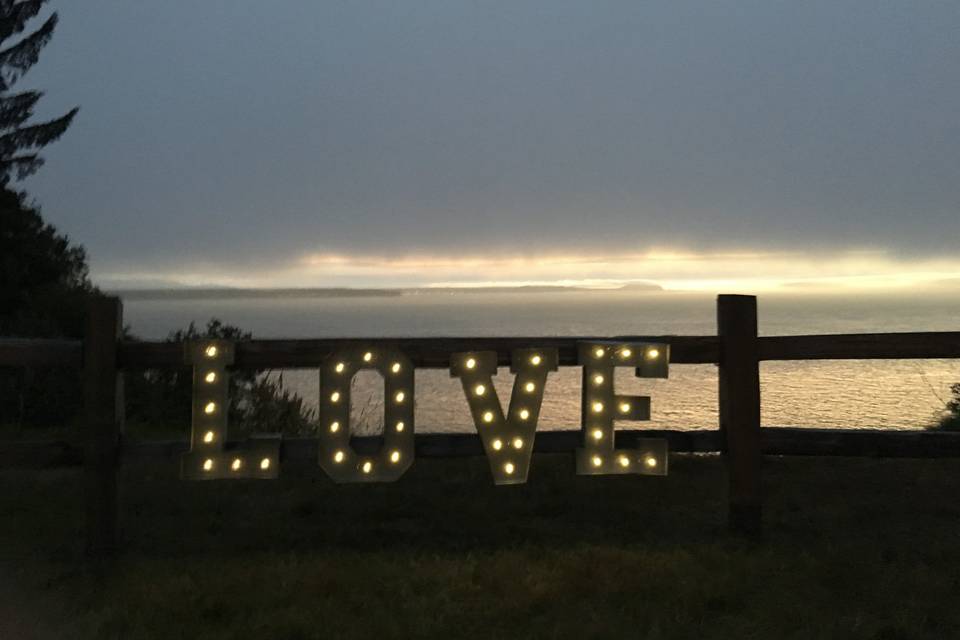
[424,352]
[861,346]
[790,441]
[739,403]
[29,352]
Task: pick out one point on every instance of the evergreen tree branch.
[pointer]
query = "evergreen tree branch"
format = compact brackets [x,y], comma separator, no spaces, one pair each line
[14,15]
[38,135]
[15,60]
[17,108]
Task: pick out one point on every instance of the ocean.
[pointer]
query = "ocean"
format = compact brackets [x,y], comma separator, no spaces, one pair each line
[892,394]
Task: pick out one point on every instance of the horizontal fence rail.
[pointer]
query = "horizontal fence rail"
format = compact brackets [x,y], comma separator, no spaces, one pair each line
[794,441]
[435,352]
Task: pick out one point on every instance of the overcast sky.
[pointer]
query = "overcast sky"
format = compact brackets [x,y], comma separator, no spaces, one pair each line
[339,142]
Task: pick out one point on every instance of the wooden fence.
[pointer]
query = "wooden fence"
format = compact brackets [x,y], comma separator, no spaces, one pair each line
[736,349]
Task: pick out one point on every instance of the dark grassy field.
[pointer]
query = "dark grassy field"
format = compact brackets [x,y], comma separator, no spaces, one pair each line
[853,549]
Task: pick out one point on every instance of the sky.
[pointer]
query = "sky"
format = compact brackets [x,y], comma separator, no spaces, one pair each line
[738,145]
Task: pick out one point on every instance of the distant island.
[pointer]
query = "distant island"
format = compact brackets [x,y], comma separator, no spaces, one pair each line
[226,293]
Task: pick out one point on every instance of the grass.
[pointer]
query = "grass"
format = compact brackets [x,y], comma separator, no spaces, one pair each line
[854,548]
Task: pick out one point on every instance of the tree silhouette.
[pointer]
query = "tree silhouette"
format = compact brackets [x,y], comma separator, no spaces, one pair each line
[19,141]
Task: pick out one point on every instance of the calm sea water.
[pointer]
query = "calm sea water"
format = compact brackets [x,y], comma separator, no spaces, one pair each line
[905,394]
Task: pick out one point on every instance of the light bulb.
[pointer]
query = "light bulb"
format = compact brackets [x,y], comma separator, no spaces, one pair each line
[340,367]
[651,461]
[211,351]
[529,387]
[597,407]
[479,389]
[334,427]
[395,367]
[470,363]
[395,457]
[367,357]
[367,467]
[265,464]
[597,434]
[596,460]
[497,444]
[625,352]
[598,379]
[535,360]
[624,407]
[338,456]
[598,352]
[210,378]
[400,396]
[235,465]
[335,396]
[653,353]
[508,468]
[210,407]
[207,464]
[624,461]
[524,414]
[518,443]
[208,437]
[488,416]
[399,427]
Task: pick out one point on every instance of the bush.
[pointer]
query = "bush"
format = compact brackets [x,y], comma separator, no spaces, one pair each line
[950,421]
[161,399]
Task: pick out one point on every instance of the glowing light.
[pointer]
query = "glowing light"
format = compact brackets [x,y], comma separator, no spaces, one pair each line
[529,387]
[335,396]
[598,352]
[497,444]
[596,461]
[624,461]
[479,389]
[210,408]
[598,434]
[524,414]
[265,464]
[625,352]
[651,462]
[208,465]
[208,437]
[236,464]
[399,427]
[598,379]
[211,351]
[340,367]
[518,443]
[536,359]
[597,407]
[400,396]
[488,416]
[367,357]
[338,457]
[334,427]
[508,468]
[653,354]
[367,467]
[470,363]
[624,407]
[210,378]
[395,457]
[395,367]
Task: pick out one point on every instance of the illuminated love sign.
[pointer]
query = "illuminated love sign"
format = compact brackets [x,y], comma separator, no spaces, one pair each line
[507,437]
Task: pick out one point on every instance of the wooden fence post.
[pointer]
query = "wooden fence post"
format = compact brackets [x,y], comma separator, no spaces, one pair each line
[739,388]
[102,423]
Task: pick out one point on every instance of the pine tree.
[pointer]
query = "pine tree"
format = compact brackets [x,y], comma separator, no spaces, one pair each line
[19,141]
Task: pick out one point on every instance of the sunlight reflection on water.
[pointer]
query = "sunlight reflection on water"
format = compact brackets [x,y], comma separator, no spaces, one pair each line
[880,393]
